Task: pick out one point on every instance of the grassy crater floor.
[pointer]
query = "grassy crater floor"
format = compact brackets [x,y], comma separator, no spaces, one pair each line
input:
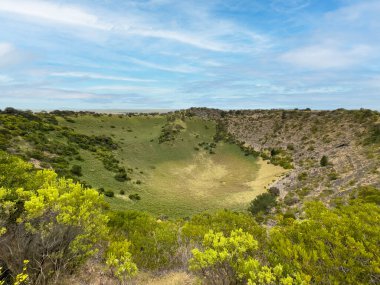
[176,178]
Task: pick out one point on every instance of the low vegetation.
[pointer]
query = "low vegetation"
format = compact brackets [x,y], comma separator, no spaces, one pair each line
[56,228]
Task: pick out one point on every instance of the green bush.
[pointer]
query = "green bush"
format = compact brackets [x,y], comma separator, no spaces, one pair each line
[121,176]
[333,246]
[134,197]
[109,193]
[76,170]
[324,161]
[262,203]
[54,223]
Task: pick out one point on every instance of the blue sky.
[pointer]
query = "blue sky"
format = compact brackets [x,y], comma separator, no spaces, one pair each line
[145,54]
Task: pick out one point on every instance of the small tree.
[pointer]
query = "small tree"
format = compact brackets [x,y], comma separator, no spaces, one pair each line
[262,203]
[324,161]
[274,191]
[76,170]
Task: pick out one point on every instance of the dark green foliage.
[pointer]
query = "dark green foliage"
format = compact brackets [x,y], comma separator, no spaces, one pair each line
[134,197]
[275,152]
[210,147]
[48,142]
[274,191]
[90,142]
[109,193]
[221,132]
[121,192]
[76,170]
[262,203]
[110,162]
[169,132]
[324,161]
[121,175]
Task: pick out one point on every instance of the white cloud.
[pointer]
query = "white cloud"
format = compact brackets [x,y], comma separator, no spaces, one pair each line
[9,55]
[5,49]
[88,75]
[325,57]
[178,69]
[289,6]
[131,88]
[53,12]
[143,24]
[41,93]
[181,37]
[4,79]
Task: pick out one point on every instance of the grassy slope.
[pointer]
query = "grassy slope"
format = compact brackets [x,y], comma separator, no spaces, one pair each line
[176,179]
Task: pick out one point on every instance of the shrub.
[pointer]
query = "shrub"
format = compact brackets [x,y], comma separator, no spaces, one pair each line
[262,203]
[122,192]
[274,191]
[290,199]
[154,245]
[134,197]
[59,222]
[324,161]
[368,194]
[302,176]
[119,260]
[121,176]
[333,246]
[109,193]
[76,170]
[231,260]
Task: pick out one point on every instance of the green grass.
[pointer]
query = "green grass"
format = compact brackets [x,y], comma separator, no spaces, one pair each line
[176,180]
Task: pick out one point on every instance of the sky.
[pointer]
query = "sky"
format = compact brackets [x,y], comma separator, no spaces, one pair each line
[170,54]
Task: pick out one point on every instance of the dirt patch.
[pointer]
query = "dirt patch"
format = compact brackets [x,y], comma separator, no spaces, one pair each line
[266,175]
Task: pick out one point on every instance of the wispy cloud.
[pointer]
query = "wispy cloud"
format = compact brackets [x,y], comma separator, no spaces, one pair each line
[167,53]
[130,89]
[4,79]
[5,49]
[344,38]
[327,56]
[176,69]
[142,26]
[87,75]
[53,12]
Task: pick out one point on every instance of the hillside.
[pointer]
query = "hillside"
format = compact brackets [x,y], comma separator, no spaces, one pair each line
[165,164]
[197,196]
[350,140]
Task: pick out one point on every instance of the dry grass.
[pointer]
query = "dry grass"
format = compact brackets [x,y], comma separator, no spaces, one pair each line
[172,278]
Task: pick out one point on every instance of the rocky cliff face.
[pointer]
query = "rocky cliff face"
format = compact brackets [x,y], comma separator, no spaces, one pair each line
[350,141]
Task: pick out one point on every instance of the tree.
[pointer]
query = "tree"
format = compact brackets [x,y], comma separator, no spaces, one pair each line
[274,191]
[262,203]
[324,161]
